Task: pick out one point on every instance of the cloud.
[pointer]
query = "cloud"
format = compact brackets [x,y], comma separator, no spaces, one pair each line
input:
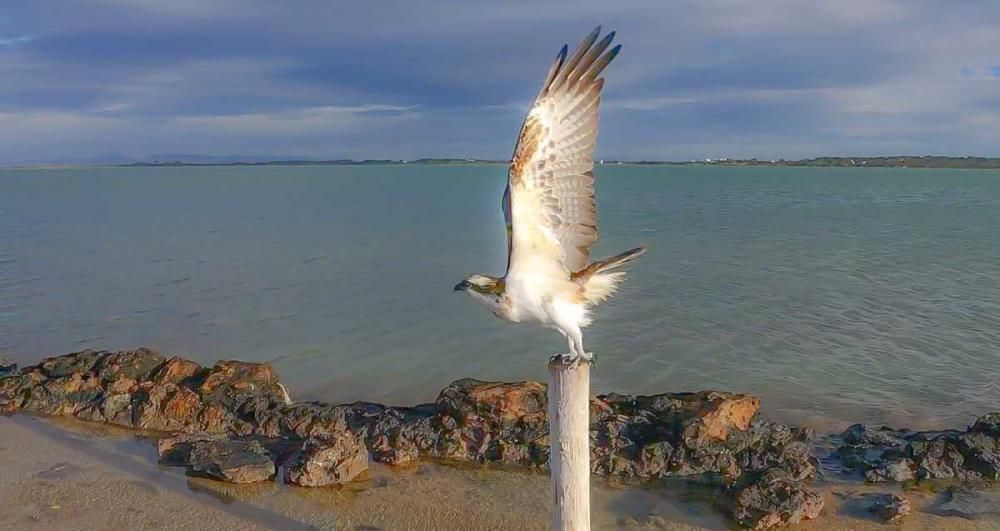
[112,108]
[106,130]
[697,78]
[16,41]
[299,121]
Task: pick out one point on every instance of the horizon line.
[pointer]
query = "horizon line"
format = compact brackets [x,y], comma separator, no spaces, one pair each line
[224,160]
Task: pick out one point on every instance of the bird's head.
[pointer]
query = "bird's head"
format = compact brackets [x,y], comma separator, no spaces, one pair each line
[487,290]
[481,285]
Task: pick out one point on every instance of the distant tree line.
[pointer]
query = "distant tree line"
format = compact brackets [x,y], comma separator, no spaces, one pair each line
[986,163]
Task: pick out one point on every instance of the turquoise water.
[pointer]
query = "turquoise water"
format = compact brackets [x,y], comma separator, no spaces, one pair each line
[837,295]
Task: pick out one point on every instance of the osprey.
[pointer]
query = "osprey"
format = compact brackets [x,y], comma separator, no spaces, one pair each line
[550,209]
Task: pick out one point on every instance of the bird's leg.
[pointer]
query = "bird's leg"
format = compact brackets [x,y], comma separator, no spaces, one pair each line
[568,357]
[574,338]
[576,346]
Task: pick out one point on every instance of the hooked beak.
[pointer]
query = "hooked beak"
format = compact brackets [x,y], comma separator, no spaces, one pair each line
[463,285]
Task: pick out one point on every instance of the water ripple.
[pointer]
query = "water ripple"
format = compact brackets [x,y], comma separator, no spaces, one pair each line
[836,295]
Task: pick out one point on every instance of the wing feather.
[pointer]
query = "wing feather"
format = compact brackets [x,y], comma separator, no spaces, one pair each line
[574,60]
[549,203]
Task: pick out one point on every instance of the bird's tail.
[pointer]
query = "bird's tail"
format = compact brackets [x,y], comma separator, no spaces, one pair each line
[610,263]
[595,280]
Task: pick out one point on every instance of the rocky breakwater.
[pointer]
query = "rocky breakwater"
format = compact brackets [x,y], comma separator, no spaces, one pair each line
[883,454]
[234,422]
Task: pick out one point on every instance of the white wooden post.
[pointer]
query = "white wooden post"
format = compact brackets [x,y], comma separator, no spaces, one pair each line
[569,444]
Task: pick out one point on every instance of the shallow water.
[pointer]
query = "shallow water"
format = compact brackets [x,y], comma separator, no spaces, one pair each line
[837,295]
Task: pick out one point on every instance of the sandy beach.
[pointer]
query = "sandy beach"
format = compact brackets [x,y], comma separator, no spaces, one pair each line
[58,474]
[95,477]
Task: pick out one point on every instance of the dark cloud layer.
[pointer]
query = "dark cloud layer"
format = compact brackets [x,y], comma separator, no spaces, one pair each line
[697,78]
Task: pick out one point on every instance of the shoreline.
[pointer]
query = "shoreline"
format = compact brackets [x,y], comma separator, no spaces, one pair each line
[234,422]
[103,477]
[883,162]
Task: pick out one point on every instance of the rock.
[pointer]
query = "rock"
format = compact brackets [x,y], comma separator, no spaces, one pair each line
[770,499]
[176,449]
[328,462]
[899,471]
[417,427]
[940,458]
[981,447]
[394,448]
[864,436]
[136,365]
[988,424]
[891,508]
[230,460]
[176,370]
[11,393]
[304,420]
[970,504]
[503,403]
[884,454]
[705,415]
[64,395]
[717,415]
[768,444]
[234,383]
[77,362]
[688,434]
[7,368]
[164,407]
[140,388]
[485,421]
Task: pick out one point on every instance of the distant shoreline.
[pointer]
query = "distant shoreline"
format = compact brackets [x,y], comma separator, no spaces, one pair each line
[903,161]
[981,163]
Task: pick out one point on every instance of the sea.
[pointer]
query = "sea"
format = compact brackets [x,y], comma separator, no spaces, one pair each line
[836,295]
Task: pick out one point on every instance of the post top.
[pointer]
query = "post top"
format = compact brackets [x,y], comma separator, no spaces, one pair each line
[567,361]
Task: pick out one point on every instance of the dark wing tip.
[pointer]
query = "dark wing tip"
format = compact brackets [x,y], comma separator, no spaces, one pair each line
[605,41]
[589,40]
[614,52]
[561,56]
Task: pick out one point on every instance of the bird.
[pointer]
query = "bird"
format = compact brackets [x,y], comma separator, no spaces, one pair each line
[550,208]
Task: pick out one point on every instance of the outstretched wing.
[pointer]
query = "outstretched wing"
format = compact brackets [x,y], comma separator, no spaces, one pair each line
[549,202]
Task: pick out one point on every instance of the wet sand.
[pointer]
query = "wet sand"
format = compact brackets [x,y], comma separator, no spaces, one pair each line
[90,477]
[57,474]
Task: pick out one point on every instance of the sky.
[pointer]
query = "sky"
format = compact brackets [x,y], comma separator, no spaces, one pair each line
[101,80]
